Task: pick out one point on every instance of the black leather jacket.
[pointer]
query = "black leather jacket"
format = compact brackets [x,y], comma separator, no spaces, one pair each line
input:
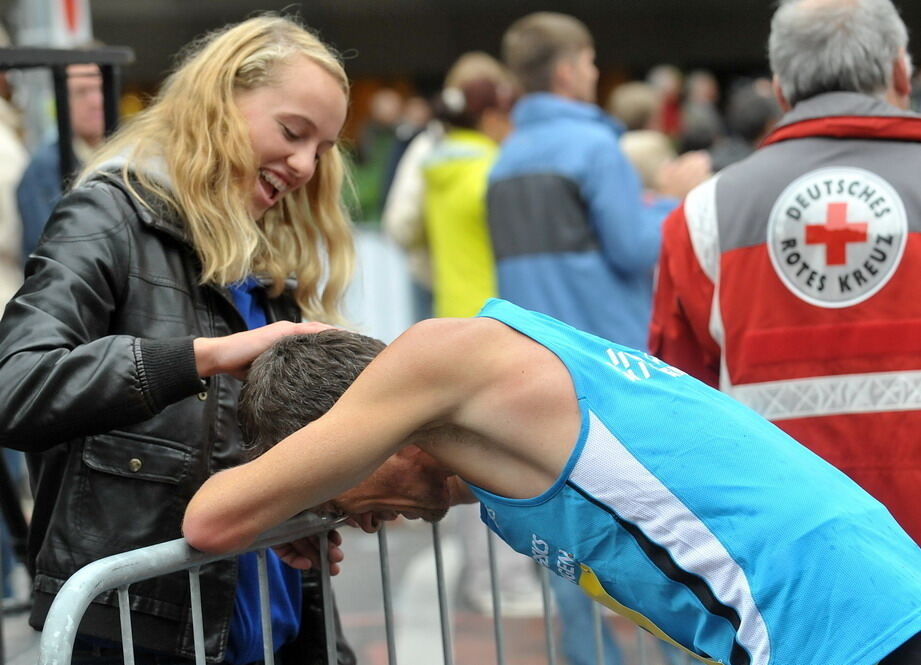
[99,387]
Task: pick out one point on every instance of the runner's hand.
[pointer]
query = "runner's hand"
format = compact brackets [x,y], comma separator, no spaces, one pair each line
[304,553]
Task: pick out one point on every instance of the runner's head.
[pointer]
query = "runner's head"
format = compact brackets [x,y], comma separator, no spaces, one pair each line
[299,379]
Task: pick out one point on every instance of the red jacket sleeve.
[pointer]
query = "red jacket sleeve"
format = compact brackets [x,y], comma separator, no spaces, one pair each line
[679,333]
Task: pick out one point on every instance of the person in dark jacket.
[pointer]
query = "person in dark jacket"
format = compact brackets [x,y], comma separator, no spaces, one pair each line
[196,237]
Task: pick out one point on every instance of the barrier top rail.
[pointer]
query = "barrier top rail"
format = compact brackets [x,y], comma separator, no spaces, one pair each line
[118,570]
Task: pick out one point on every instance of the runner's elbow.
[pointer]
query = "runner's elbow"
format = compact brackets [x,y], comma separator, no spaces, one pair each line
[210,530]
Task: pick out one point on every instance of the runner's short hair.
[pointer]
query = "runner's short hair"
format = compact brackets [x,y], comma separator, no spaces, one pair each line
[297,380]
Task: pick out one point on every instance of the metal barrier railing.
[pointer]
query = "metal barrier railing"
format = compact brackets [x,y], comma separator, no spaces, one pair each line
[122,570]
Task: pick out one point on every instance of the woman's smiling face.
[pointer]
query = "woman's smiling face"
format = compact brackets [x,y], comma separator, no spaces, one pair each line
[291,123]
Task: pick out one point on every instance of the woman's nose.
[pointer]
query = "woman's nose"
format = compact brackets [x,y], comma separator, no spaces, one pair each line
[303,163]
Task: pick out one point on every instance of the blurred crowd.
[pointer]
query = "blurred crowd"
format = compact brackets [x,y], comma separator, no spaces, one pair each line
[665,114]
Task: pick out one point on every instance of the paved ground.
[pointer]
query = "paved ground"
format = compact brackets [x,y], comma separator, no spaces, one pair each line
[418,634]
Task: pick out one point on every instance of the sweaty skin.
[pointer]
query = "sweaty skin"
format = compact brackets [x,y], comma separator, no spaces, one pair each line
[486,402]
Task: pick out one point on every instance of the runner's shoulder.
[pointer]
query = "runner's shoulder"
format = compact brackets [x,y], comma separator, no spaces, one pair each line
[451,347]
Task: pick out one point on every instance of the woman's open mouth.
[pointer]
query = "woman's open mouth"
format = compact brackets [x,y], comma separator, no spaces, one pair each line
[271,186]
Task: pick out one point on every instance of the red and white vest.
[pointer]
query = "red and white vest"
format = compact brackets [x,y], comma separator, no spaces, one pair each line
[792,281]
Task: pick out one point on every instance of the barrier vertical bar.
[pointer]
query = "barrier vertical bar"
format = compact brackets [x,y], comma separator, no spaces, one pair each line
[327,590]
[548,624]
[386,592]
[496,602]
[198,624]
[446,642]
[268,648]
[596,626]
[124,616]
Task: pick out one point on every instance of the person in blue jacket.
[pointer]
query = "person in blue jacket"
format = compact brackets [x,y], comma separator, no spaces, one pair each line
[571,233]
[660,497]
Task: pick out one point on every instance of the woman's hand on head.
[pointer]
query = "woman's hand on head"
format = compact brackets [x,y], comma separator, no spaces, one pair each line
[235,353]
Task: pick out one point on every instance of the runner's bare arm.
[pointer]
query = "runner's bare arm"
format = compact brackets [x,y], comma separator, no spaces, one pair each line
[409,385]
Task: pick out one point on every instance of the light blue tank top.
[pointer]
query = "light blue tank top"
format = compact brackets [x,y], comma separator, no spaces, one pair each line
[702,522]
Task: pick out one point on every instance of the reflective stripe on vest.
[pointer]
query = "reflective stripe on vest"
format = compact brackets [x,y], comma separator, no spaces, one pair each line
[831,395]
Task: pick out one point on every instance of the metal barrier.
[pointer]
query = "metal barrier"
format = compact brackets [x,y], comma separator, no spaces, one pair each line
[122,570]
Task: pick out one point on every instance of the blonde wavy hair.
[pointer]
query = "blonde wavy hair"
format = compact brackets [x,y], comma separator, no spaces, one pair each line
[195,131]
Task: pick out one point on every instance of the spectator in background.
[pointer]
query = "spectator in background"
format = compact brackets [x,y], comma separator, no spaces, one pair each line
[750,116]
[571,236]
[666,81]
[438,199]
[701,123]
[417,114]
[634,104]
[403,218]
[475,116]
[375,145]
[651,153]
[790,279]
[12,164]
[40,187]
[13,159]
[570,233]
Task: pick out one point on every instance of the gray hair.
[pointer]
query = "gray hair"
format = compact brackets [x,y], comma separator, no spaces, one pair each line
[297,380]
[821,46]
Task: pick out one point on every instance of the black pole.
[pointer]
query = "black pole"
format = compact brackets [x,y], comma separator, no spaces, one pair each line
[65,136]
[111,94]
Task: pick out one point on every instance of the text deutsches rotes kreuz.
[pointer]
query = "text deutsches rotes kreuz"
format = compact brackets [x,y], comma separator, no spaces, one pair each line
[836,235]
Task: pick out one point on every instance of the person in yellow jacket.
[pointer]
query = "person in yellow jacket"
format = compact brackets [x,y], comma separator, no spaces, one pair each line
[476,117]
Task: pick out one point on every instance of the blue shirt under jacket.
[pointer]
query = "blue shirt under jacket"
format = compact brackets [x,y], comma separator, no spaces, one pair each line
[244,643]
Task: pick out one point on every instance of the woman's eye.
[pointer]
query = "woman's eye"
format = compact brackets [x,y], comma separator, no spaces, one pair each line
[291,136]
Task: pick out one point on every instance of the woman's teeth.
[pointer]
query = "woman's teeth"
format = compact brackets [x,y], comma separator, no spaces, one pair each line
[273,180]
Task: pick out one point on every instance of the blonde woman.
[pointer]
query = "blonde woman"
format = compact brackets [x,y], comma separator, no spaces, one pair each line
[196,237]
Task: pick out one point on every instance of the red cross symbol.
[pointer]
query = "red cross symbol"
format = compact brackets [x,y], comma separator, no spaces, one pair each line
[836,233]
